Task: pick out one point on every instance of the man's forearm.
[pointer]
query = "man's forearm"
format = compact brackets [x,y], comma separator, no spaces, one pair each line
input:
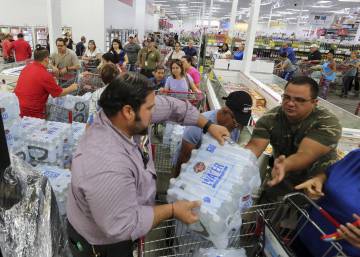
[66,91]
[75,67]
[162,212]
[299,161]
[201,122]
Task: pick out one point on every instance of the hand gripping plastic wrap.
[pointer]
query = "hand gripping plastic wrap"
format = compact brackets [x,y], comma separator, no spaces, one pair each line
[30,225]
[223,178]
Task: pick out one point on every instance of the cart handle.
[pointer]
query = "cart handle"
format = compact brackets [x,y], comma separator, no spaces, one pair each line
[177,92]
[322,211]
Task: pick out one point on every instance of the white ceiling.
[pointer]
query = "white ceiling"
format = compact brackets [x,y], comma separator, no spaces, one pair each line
[287,9]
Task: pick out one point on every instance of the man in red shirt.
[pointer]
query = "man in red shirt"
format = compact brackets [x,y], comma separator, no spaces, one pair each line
[6,46]
[35,84]
[21,48]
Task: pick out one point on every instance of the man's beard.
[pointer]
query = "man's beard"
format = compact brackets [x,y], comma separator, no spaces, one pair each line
[139,128]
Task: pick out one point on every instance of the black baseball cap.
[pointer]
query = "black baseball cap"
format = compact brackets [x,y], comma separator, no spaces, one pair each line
[240,102]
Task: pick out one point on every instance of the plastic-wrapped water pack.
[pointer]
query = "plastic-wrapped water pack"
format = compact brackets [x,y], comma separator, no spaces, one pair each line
[60,180]
[213,252]
[78,130]
[78,105]
[30,224]
[172,136]
[223,178]
[9,109]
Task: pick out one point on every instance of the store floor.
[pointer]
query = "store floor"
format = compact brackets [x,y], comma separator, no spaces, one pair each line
[350,104]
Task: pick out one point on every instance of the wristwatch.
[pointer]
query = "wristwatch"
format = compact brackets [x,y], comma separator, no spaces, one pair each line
[207,126]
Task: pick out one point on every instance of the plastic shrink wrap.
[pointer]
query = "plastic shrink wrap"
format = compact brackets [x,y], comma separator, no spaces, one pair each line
[223,178]
[30,225]
[213,252]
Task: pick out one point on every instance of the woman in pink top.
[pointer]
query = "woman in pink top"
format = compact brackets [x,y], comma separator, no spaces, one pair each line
[194,73]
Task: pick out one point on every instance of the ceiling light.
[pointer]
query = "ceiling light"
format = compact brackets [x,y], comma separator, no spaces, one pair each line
[323,2]
[353,1]
[322,6]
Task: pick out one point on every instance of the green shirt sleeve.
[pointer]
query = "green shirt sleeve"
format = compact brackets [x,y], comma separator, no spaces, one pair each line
[327,130]
[264,125]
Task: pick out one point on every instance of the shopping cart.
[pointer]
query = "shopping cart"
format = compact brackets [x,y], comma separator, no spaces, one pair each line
[89,82]
[195,98]
[267,230]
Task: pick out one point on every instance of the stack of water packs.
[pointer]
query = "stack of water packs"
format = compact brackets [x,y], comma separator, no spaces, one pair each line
[60,181]
[223,178]
[78,105]
[172,136]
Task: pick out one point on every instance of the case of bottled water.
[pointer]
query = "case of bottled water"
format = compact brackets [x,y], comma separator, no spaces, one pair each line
[60,180]
[9,107]
[78,130]
[79,105]
[213,252]
[172,136]
[223,178]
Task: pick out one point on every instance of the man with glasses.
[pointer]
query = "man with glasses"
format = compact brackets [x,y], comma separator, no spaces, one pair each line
[303,136]
[113,185]
[64,63]
[234,116]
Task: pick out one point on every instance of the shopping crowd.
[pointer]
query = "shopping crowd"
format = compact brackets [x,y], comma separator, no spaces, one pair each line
[112,194]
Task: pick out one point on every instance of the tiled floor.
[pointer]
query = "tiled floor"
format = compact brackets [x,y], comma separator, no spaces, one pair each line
[350,104]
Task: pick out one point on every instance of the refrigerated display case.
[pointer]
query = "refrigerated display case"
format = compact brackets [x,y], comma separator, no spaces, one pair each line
[269,87]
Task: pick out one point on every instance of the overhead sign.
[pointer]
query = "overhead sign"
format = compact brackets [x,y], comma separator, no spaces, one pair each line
[321,19]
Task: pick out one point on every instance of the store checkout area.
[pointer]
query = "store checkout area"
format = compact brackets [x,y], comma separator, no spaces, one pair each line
[266,90]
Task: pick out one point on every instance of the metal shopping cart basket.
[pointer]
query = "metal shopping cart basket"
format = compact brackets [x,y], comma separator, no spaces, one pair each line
[195,98]
[264,232]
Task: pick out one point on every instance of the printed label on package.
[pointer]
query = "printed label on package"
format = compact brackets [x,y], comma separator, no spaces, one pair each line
[211,148]
[213,174]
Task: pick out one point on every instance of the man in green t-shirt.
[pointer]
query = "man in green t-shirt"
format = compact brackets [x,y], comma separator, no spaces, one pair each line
[148,59]
[303,135]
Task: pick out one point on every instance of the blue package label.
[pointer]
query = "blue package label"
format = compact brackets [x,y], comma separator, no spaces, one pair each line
[213,174]
[211,148]
[51,174]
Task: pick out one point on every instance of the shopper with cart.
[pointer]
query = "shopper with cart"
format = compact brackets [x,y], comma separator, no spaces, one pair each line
[179,81]
[35,84]
[21,48]
[328,74]
[192,71]
[132,49]
[286,68]
[149,58]
[64,63]
[303,136]
[120,57]
[112,194]
[235,115]
[175,54]
[159,79]
[337,192]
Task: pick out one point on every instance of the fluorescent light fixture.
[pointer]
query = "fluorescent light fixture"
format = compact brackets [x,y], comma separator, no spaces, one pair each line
[323,2]
[352,1]
[322,6]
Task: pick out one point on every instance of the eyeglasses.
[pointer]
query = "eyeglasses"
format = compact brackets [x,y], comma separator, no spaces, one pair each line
[295,99]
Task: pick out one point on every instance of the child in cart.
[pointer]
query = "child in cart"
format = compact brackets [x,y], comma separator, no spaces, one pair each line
[338,192]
